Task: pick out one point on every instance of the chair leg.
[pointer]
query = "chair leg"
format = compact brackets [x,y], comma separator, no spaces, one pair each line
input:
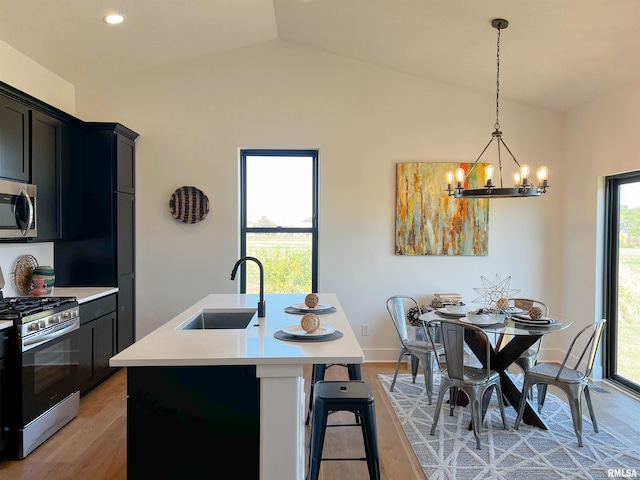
[575,402]
[402,352]
[453,399]
[436,413]
[501,404]
[587,397]
[415,363]
[476,418]
[542,394]
[370,438]
[526,385]
[317,373]
[427,365]
[318,429]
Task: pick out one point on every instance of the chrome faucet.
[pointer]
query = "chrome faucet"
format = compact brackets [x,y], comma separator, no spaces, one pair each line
[262,306]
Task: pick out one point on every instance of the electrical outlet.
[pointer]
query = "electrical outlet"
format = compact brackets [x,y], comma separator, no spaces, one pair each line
[365,330]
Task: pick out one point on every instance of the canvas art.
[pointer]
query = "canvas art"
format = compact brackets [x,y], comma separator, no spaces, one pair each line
[429,222]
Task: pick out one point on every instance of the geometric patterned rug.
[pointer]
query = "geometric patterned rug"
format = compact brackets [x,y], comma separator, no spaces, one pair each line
[529,453]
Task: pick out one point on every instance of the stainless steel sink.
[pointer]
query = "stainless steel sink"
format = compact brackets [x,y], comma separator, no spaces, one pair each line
[221,318]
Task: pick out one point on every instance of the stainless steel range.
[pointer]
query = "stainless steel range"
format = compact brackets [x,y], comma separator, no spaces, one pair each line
[42,369]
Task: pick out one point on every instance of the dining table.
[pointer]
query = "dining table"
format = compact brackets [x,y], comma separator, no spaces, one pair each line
[514,338]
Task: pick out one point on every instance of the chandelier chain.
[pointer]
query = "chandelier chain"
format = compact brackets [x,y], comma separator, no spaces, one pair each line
[497,124]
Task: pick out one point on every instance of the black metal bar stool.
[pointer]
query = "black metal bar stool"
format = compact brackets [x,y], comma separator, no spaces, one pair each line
[335,396]
[317,374]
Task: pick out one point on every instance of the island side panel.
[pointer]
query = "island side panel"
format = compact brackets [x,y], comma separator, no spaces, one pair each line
[282,425]
[193,422]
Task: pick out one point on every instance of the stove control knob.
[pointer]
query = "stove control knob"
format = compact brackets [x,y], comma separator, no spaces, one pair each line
[66,314]
[54,319]
[42,324]
[33,326]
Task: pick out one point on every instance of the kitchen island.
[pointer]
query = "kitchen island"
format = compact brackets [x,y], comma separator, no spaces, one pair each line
[204,401]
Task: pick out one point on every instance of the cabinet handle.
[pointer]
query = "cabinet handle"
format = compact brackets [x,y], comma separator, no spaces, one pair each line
[27,198]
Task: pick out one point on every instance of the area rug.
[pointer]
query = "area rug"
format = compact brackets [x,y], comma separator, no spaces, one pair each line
[524,454]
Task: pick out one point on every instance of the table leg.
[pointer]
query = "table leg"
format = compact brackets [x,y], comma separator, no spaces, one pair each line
[500,361]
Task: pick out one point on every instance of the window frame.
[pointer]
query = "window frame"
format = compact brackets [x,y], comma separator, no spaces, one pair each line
[611,257]
[313,230]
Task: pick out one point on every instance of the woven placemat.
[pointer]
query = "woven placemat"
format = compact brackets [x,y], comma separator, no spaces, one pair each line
[280,335]
[297,311]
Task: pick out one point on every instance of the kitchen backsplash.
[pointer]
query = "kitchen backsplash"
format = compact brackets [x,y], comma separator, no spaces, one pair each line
[9,254]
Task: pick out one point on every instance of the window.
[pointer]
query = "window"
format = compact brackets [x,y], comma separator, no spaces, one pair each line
[623,280]
[279,220]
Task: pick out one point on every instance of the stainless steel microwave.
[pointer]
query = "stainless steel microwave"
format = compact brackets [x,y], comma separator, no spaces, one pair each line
[17,210]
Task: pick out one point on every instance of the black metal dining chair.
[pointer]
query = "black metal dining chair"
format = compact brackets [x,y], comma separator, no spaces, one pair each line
[571,381]
[426,352]
[473,381]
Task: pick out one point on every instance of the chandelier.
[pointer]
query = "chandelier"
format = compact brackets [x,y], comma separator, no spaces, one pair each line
[522,183]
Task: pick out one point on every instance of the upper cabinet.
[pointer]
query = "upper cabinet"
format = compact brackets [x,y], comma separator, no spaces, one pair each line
[57,169]
[14,140]
[45,162]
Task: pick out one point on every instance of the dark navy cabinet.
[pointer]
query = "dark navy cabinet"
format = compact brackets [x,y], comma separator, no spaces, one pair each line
[104,254]
[14,140]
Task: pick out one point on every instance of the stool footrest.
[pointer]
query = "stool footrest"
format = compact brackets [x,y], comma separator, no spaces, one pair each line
[362,459]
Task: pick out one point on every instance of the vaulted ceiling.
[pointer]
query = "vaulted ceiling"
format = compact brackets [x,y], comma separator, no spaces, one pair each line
[555,54]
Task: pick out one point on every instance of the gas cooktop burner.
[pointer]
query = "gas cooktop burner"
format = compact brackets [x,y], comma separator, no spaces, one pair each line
[18,307]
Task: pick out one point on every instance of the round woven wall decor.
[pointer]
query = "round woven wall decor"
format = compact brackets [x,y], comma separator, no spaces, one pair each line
[189,205]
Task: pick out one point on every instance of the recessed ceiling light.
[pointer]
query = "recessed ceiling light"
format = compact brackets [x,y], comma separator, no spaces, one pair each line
[114,19]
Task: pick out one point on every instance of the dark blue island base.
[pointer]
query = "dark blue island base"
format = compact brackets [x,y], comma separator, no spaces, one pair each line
[193,422]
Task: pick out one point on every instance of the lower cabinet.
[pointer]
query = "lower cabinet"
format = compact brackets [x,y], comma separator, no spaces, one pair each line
[4,420]
[98,328]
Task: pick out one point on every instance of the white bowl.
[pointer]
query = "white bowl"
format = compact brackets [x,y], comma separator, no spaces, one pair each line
[458,309]
[480,318]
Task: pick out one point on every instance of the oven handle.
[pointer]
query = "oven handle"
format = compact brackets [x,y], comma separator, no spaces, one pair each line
[58,331]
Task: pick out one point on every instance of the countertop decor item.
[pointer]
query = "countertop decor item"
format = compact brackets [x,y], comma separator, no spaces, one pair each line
[189,205]
[23,273]
[523,187]
[46,273]
[39,287]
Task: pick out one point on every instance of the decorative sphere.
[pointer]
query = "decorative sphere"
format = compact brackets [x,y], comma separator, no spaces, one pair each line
[311,300]
[310,322]
[503,303]
[535,313]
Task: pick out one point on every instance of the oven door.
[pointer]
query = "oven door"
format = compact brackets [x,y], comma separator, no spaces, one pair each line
[49,372]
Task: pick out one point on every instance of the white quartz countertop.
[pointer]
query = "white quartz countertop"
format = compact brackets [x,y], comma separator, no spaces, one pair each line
[5,324]
[83,294]
[168,345]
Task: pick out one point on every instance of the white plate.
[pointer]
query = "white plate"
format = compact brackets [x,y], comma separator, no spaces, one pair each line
[317,308]
[298,331]
[446,312]
[490,321]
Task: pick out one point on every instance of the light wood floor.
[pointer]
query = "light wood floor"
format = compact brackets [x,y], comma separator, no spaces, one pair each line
[93,446]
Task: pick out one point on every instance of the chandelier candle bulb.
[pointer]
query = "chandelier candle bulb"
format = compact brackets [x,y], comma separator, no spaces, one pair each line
[460,177]
[488,173]
[516,179]
[543,175]
[449,179]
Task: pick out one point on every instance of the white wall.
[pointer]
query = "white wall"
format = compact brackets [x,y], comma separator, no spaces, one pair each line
[601,139]
[21,72]
[194,117]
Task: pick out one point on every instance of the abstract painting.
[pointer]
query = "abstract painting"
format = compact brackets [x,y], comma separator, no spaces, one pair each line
[429,222]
